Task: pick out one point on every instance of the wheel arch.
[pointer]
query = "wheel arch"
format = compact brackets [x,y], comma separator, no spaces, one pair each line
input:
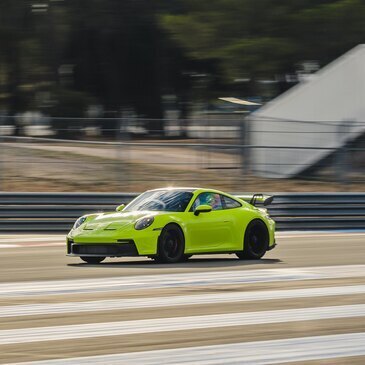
[162,254]
[252,222]
[178,226]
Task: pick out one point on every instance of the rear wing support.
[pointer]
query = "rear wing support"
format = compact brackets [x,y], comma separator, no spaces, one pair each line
[257,198]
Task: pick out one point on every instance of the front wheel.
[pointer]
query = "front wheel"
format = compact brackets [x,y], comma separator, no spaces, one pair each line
[171,245]
[92,259]
[256,241]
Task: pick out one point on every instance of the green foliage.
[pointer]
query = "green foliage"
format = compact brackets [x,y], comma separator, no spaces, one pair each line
[266,37]
[128,53]
[70,103]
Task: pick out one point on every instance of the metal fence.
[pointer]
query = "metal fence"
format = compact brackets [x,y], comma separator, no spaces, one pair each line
[47,212]
[126,154]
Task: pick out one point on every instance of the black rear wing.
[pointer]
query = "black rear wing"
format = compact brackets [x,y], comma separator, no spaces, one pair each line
[257,198]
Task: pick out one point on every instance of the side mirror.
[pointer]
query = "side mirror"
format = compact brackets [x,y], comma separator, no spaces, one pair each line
[202,209]
[120,208]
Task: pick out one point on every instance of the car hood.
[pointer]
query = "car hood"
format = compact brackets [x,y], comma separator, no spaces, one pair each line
[115,220]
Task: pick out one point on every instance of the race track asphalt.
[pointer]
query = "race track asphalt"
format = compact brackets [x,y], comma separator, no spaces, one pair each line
[304,303]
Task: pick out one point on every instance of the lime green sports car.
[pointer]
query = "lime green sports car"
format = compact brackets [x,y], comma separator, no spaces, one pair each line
[172,224]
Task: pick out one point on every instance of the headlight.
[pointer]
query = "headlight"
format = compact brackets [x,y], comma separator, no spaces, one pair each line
[143,223]
[78,223]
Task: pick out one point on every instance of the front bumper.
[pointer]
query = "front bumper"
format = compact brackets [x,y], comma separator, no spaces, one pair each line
[112,243]
[100,249]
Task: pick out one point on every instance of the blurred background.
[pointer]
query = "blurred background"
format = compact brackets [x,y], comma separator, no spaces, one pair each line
[110,95]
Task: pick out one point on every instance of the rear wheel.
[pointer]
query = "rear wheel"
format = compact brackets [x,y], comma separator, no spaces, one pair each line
[171,245]
[256,241]
[92,259]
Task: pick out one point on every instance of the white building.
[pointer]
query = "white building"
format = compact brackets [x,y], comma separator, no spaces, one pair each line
[325,112]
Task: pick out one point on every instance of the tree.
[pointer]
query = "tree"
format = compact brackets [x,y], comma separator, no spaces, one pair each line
[117,50]
[260,39]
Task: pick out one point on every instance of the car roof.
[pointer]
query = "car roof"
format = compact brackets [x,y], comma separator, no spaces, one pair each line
[175,188]
[199,191]
[193,190]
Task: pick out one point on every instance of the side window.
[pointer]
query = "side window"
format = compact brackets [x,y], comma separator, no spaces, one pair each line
[212,199]
[230,203]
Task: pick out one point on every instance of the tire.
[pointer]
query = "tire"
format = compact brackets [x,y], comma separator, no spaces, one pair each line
[171,245]
[92,259]
[256,241]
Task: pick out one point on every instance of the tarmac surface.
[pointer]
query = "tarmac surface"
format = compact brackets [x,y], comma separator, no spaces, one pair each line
[304,303]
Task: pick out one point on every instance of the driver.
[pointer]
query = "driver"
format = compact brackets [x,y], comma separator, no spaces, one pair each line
[215,201]
[211,199]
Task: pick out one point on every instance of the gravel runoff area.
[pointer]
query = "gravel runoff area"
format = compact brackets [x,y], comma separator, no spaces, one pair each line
[57,167]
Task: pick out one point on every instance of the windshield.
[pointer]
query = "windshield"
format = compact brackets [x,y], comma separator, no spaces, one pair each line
[161,200]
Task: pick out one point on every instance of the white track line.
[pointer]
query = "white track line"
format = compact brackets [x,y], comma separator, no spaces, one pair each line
[216,321]
[159,302]
[248,353]
[320,234]
[22,239]
[29,245]
[178,280]
[17,241]
[5,245]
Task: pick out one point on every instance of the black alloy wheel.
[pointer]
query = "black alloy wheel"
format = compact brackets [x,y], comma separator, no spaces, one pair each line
[171,245]
[256,241]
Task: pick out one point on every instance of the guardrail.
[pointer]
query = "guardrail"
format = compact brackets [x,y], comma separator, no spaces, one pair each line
[56,212]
